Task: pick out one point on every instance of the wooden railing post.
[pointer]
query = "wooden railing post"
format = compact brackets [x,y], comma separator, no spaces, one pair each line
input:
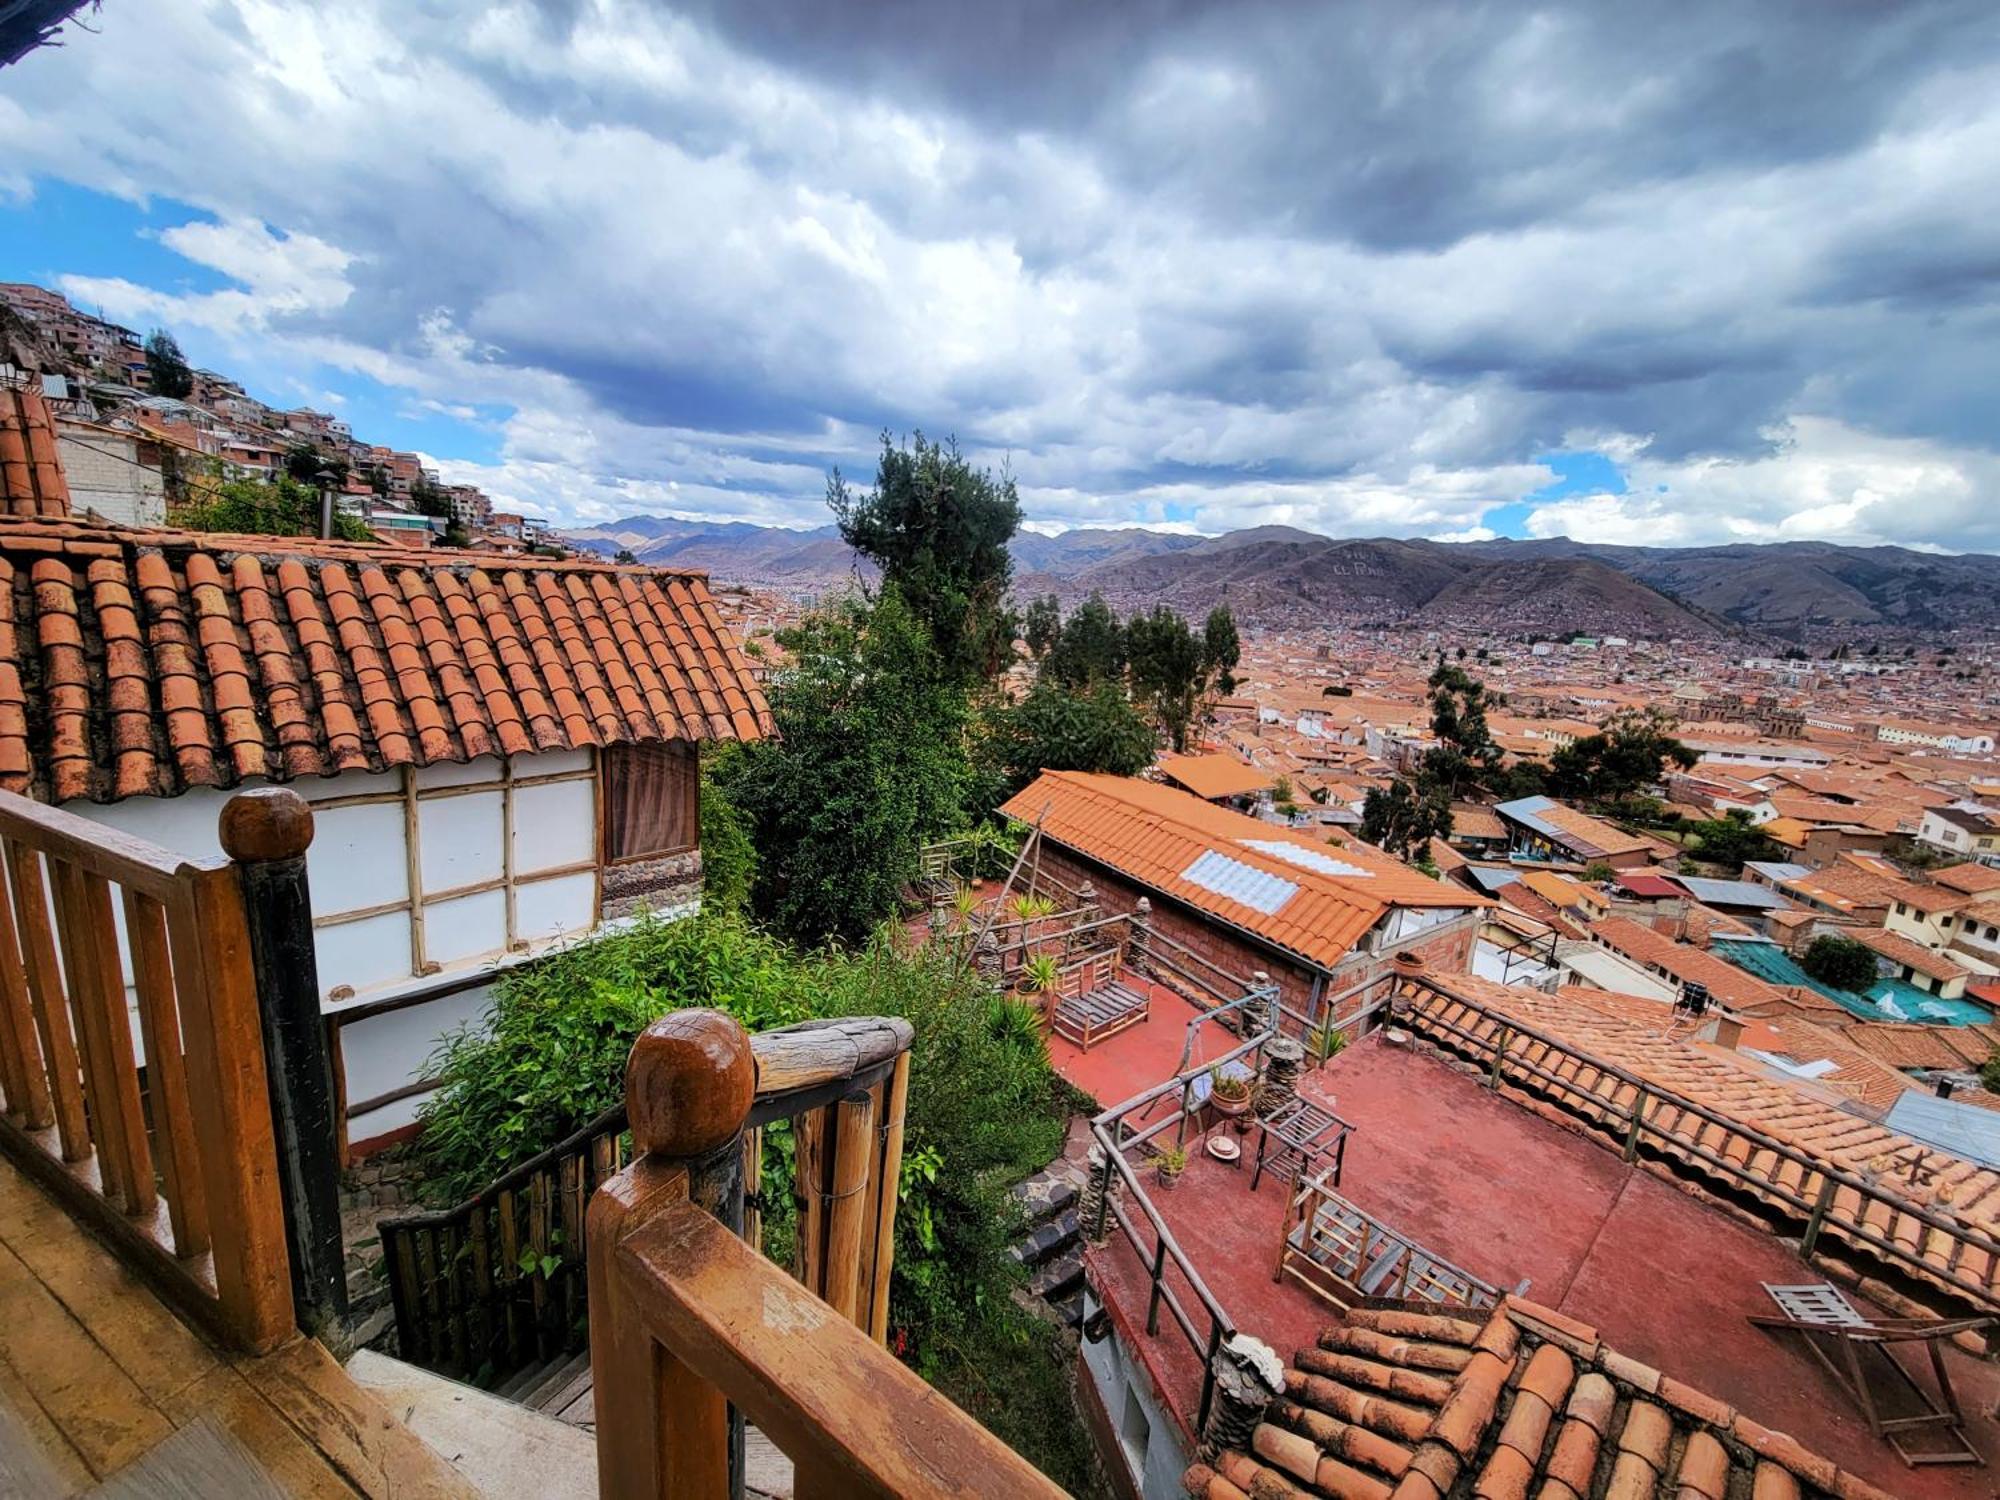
[266,832]
[661,1429]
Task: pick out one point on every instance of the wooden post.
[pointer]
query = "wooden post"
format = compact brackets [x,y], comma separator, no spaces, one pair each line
[661,1429]
[890,1171]
[266,832]
[847,1202]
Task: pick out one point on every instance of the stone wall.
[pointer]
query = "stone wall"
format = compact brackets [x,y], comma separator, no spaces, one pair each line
[669,884]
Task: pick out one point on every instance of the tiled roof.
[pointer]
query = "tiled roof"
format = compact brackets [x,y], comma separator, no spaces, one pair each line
[1973,879]
[1212,776]
[1903,1045]
[31,475]
[1792,1113]
[144,662]
[1471,820]
[1726,983]
[1912,955]
[1157,835]
[1404,1405]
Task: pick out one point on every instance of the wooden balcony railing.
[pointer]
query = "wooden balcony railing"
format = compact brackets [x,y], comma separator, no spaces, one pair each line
[165,1148]
[692,1331]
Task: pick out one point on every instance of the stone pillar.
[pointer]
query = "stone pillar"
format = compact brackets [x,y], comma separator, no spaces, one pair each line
[1249,1376]
[1086,897]
[1093,1206]
[1261,1015]
[986,957]
[1282,1057]
[1138,953]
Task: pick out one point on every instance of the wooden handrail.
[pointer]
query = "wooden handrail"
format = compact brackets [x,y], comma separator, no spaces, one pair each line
[175,1165]
[688,1324]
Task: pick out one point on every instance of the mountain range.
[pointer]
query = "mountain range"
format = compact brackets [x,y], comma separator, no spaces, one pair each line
[1278,576]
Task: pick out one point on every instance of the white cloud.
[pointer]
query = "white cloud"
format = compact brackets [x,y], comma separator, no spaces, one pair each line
[690,272]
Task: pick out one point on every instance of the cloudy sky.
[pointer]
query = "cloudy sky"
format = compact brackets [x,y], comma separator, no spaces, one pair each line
[1668,274]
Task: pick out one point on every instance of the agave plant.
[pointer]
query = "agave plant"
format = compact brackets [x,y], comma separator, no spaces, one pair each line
[1324,1041]
[1040,974]
[1028,908]
[1015,1024]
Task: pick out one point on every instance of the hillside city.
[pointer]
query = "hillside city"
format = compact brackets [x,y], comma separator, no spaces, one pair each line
[949,1001]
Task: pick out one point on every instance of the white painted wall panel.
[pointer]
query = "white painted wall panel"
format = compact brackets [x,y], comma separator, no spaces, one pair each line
[460,841]
[469,927]
[560,907]
[449,773]
[374,950]
[554,826]
[552,763]
[356,859]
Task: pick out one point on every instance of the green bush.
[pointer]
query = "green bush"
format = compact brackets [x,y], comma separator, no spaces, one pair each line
[549,1054]
[728,857]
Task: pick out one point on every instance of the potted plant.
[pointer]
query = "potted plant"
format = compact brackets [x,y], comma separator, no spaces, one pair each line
[1229,1093]
[1039,978]
[1169,1163]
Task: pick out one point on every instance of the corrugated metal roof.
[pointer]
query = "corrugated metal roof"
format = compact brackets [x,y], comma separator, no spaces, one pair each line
[1963,1129]
[1730,892]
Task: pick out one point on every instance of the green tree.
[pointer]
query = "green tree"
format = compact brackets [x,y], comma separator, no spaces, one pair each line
[1630,753]
[309,466]
[938,528]
[1041,624]
[1170,670]
[1732,840]
[626,556]
[1090,646]
[728,850]
[1055,728]
[868,766]
[428,499]
[1840,962]
[1224,648]
[1458,719]
[167,369]
[1404,817]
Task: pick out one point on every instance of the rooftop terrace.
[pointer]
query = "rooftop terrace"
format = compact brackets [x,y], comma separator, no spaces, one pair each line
[1521,1202]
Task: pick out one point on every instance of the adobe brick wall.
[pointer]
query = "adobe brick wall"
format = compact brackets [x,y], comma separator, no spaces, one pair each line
[1448,949]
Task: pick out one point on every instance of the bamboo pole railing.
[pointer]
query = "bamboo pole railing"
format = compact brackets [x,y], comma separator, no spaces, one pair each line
[692,1331]
[162,1142]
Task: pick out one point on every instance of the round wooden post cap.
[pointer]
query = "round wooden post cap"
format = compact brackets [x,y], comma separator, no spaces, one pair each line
[689,1083]
[265,823]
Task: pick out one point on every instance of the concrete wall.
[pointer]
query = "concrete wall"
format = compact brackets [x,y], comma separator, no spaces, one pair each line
[1146,1450]
[105,475]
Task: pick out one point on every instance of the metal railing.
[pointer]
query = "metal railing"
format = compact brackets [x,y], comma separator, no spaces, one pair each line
[1115,1132]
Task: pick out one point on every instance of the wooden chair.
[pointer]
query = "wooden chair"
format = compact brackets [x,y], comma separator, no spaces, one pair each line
[1857,1351]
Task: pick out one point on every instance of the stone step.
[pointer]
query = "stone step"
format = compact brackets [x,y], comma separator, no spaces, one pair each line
[1047,1239]
[1046,1194]
[1058,1276]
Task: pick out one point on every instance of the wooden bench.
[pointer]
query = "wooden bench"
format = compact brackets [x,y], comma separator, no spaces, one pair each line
[1094,1001]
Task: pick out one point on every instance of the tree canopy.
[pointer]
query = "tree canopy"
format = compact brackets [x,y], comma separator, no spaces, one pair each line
[1405,816]
[869,765]
[1087,647]
[938,528]
[1629,754]
[167,369]
[1840,962]
[1056,728]
[1732,840]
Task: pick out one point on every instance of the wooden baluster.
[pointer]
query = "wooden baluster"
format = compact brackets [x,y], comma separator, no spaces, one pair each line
[847,1199]
[481,1313]
[406,1287]
[871,1208]
[571,1248]
[47,1001]
[890,1173]
[97,994]
[753,1184]
[662,1430]
[810,1168]
[26,1080]
[541,1193]
[166,1073]
[508,1207]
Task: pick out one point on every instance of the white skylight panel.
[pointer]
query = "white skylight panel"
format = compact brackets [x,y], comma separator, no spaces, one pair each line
[1308,859]
[1254,888]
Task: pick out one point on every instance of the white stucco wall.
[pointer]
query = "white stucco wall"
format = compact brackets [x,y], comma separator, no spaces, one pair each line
[1148,1441]
[105,475]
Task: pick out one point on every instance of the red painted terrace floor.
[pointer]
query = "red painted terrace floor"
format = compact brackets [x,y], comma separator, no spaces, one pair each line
[1512,1197]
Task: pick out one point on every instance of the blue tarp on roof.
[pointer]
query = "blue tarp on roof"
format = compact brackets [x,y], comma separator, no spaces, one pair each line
[1965,1130]
[1886,1000]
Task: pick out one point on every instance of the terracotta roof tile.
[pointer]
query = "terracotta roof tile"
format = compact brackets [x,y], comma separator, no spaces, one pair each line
[144,662]
[1535,1422]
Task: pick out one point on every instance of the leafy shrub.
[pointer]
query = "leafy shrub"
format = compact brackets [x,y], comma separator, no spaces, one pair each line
[549,1054]
[728,858]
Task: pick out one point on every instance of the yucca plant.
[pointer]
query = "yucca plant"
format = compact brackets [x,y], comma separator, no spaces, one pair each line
[1324,1041]
[1014,1023]
[1040,974]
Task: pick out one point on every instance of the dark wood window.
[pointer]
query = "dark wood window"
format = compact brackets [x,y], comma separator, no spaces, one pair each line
[652,800]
